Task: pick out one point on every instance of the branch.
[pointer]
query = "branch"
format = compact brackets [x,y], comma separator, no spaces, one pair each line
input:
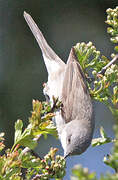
[109,64]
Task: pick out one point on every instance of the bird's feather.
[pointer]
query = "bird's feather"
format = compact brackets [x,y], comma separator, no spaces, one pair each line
[74,91]
[52,61]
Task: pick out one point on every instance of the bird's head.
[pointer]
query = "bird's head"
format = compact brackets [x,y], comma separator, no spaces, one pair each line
[76,137]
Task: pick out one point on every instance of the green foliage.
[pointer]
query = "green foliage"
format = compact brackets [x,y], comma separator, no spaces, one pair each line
[15,160]
[39,124]
[50,167]
[89,57]
[82,173]
[101,140]
[112,21]
[103,87]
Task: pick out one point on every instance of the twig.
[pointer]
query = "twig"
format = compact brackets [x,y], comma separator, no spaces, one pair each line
[109,64]
[38,176]
[90,80]
[26,150]
[55,100]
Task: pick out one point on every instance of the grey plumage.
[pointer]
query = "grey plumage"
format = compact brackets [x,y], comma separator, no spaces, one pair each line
[74,121]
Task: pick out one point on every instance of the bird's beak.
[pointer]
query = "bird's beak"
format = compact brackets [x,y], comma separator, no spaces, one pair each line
[66,155]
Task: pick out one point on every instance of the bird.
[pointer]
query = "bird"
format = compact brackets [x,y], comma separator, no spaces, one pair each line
[67,82]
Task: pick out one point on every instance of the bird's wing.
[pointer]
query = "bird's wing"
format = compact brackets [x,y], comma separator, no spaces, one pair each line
[74,91]
[52,61]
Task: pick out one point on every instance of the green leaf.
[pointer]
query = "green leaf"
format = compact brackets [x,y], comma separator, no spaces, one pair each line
[111,161]
[102,132]
[28,141]
[114,112]
[116,48]
[11,172]
[25,138]
[100,141]
[18,130]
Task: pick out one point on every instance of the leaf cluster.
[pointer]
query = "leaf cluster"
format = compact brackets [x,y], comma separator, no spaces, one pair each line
[18,162]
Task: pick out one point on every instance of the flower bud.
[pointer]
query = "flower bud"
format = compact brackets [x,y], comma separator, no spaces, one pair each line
[94,72]
[89,44]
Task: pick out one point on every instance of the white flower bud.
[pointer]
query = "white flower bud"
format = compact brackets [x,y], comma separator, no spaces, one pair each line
[98,53]
[95,82]
[93,48]
[83,44]
[94,72]
[117,8]
[112,55]
[89,44]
